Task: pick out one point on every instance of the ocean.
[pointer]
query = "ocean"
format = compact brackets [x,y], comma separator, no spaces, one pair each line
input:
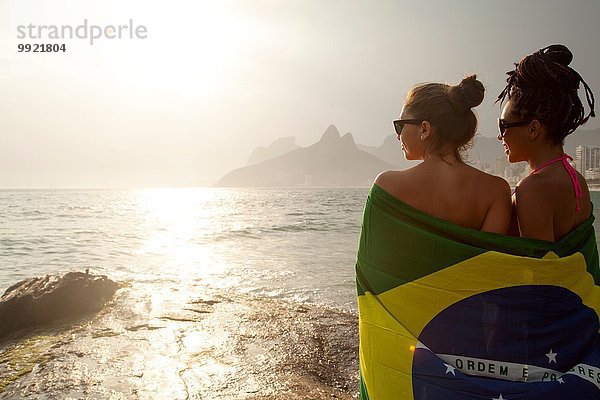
[230,293]
[298,244]
[201,264]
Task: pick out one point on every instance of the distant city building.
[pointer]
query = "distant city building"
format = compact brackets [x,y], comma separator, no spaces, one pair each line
[591,174]
[511,172]
[482,165]
[501,166]
[587,160]
[485,167]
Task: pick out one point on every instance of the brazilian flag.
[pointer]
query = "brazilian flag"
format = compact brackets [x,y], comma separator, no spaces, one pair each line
[449,313]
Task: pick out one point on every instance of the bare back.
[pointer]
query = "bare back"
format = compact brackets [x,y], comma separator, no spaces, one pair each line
[457,193]
[546,205]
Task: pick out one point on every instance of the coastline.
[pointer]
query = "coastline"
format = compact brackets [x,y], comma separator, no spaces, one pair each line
[219,345]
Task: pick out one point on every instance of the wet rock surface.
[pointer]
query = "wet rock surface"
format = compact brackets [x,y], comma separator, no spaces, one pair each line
[38,301]
[218,344]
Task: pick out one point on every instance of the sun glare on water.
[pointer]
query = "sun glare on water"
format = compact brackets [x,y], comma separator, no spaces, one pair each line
[179,224]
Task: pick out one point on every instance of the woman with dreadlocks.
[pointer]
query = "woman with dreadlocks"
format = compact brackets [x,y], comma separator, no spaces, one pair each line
[542,108]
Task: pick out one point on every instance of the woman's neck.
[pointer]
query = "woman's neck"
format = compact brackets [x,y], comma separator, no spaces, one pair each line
[449,159]
[544,155]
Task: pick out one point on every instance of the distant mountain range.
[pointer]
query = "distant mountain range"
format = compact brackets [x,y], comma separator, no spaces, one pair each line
[334,161]
[279,147]
[337,161]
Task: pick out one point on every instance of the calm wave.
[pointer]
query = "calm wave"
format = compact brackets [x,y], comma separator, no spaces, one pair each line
[291,243]
[296,243]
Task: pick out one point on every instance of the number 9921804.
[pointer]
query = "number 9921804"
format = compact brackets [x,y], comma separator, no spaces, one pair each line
[41,48]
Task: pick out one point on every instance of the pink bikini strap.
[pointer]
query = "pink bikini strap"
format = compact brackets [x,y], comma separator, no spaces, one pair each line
[565,158]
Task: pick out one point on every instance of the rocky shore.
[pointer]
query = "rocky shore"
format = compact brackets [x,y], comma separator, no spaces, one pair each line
[39,301]
[162,341]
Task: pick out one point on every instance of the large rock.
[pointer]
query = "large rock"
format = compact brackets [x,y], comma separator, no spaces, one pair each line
[37,301]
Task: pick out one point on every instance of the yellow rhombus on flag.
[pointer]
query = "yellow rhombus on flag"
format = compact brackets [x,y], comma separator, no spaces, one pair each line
[451,313]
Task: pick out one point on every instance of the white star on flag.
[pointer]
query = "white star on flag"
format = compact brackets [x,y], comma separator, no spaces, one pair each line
[561,380]
[450,368]
[499,398]
[551,357]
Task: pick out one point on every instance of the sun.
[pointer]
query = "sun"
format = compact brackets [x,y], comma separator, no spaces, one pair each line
[196,50]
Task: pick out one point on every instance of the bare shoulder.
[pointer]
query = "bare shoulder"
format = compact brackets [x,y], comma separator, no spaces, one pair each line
[496,185]
[500,185]
[531,189]
[397,182]
[389,180]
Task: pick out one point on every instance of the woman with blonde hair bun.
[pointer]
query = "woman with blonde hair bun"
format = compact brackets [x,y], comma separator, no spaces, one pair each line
[436,124]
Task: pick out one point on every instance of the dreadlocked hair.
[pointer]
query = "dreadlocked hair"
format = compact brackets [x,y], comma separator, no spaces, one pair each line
[544,87]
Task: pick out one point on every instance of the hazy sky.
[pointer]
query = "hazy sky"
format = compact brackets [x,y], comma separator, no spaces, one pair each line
[214,79]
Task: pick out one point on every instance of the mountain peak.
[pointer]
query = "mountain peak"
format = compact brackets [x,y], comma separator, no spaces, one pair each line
[331,134]
[348,139]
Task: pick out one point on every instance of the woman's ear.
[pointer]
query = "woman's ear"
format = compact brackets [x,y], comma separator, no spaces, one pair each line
[425,130]
[535,129]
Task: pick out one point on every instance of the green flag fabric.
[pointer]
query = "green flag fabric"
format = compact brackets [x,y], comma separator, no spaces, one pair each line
[450,313]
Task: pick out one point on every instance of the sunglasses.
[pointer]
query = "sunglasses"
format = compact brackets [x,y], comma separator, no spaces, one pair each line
[503,126]
[399,124]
